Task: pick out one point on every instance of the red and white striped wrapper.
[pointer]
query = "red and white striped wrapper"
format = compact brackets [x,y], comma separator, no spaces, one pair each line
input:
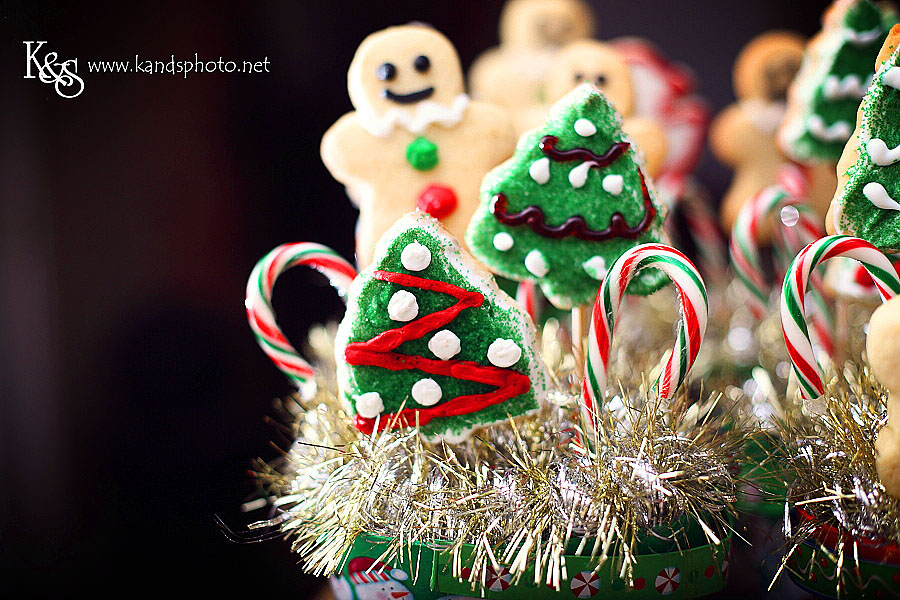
[793,299]
[258,302]
[691,327]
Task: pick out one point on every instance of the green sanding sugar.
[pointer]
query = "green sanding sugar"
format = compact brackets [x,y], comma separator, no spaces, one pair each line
[839,58]
[476,327]
[881,120]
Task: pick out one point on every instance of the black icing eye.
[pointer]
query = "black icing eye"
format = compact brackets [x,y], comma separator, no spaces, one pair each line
[579,77]
[422,63]
[386,72]
[601,80]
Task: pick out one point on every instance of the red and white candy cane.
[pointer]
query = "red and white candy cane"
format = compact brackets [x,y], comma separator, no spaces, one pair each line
[259,302]
[793,299]
[744,243]
[692,324]
[526,296]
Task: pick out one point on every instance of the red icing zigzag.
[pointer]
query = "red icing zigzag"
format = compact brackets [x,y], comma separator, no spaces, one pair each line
[379,352]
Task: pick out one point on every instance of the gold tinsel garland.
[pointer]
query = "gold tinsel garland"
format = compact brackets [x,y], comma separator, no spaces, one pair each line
[829,457]
[524,493]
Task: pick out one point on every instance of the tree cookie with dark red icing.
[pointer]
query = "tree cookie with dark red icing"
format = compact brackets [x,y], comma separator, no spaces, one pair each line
[571,200]
[430,340]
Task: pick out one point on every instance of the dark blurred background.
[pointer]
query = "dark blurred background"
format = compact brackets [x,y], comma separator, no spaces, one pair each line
[132,394]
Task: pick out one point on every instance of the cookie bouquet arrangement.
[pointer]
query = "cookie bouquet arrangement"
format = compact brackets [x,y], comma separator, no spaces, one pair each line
[502,410]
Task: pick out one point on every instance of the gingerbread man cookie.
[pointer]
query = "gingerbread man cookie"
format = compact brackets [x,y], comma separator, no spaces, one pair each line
[882,349]
[743,135]
[415,140]
[602,65]
[513,74]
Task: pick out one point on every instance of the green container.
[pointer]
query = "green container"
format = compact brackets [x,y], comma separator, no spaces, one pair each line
[765,491]
[877,576]
[426,574]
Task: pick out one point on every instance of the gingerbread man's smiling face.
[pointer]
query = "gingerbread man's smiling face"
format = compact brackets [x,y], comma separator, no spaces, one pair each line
[400,69]
[596,63]
[767,65]
[544,23]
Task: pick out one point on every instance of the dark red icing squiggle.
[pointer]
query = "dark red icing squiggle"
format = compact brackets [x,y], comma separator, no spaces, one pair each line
[575,226]
[379,352]
[548,147]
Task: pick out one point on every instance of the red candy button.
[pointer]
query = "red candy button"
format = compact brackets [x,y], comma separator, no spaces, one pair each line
[437,200]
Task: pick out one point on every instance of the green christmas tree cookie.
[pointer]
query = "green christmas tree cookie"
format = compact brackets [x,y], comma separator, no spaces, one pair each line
[868,203]
[570,201]
[837,68]
[429,339]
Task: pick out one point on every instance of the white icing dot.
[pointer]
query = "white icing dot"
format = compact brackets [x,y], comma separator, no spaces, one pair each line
[613,184]
[578,175]
[369,405]
[877,195]
[444,344]
[891,77]
[426,392]
[536,263]
[403,306]
[540,170]
[880,154]
[585,128]
[504,353]
[596,267]
[415,257]
[503,241]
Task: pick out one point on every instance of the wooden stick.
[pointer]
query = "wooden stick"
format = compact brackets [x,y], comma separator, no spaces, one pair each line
[579,320]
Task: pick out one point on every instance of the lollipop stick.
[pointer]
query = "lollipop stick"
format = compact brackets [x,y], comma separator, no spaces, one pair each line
[579,318]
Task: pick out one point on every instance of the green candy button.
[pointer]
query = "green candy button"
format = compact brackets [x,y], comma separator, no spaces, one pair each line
[422,154]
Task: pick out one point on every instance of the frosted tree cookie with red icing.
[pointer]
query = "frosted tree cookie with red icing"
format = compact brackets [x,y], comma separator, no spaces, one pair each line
[430,340]
[570,201]
[414,140]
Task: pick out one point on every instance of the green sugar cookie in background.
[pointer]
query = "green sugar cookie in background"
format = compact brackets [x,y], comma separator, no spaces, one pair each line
[868,204]
[837,68]
[569,202]
[427,331]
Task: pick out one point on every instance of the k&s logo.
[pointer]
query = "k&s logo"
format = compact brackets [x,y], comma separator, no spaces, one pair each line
[63,74]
